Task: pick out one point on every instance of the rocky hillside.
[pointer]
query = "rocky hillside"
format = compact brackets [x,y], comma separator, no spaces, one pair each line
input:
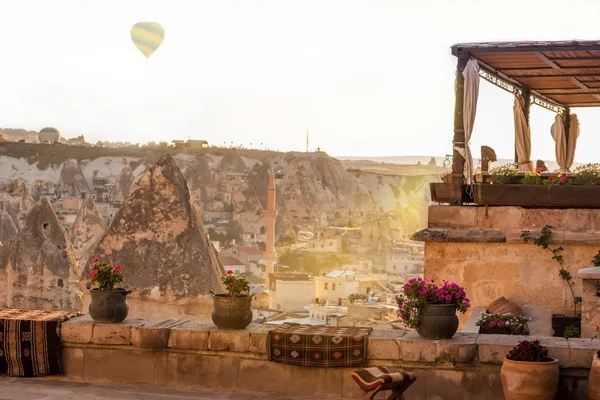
[313,188]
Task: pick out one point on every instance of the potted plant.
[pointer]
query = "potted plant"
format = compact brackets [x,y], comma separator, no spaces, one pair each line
[109,304]
[532,178]
[588,174]
[503,324]
[232,309]
[430,308]
[559,321]
[528,373]
[593,391]
[504,174]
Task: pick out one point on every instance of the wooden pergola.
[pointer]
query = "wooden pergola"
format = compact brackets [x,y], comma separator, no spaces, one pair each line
[553,75]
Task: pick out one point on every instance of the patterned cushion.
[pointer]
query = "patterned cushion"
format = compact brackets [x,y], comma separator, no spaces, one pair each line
[374,377]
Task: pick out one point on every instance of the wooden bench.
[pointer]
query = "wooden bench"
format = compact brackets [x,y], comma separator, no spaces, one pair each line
[376,379]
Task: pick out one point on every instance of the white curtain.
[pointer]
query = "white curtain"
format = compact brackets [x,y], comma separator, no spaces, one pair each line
[573,136]
[471,92]
[522,136]
[558,134]
[565,152]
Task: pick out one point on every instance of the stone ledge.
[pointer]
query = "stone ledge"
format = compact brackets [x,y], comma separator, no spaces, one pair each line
[387,346]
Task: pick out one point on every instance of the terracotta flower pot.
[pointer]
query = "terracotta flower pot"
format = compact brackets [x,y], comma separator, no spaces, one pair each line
[522,380]
[232,312]
[594,380]
[437,321]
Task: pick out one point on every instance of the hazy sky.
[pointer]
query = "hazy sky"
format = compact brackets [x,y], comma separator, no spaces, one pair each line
[366,78]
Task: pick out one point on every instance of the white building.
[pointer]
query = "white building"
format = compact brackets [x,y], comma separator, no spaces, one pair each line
[329,314]
[331,244]
[231,263]
[403,261]
[291,292]
[339,284]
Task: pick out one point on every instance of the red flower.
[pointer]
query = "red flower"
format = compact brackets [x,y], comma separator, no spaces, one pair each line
[563,179]
[118,268]
[538,171]
[230,272]
[93,273]
[234,283]
[95,260]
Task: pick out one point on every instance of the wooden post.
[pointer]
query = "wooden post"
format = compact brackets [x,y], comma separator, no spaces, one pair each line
[458,162]
[526,92]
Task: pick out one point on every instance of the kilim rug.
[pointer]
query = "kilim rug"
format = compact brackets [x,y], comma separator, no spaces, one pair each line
[30,342]
[318,346]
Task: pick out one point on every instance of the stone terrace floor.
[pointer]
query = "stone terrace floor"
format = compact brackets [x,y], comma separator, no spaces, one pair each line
[51,388]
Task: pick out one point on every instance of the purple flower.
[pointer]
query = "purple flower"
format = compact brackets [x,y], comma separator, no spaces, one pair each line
[449,297]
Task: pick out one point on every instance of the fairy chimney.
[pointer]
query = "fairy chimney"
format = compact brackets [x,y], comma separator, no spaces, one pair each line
[159,239]
[38,268]
[87,230]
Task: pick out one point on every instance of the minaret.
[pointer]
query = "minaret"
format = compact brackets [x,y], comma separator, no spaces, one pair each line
[271,213]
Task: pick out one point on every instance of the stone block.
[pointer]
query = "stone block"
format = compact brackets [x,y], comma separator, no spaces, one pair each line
[493,348]
[77,330]
[416,348]
[581,238]
[193,335]
[190,370]
[383,344]
[452,217]
[476,236]
[153,334]
[580,220]
[119,365]
[590,310]
[229,340]
[582,352]
[313,382]
[557,348]
[258,338]
[499,217]
[114,333]
[462,348]
[71,359]
[537,218]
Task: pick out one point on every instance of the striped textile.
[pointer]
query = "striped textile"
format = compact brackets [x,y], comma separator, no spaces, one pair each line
[318,346]
[374,377]
[30,342]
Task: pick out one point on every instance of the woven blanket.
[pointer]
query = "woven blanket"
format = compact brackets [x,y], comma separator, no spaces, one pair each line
[318,346]
[30,342]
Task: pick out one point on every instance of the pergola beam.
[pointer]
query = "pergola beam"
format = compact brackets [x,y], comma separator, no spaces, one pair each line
[459,50]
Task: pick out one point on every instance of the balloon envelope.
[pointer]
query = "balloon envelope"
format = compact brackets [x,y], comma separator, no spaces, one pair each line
[147,36]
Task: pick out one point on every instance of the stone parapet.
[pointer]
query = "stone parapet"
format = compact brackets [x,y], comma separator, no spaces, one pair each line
[196,354]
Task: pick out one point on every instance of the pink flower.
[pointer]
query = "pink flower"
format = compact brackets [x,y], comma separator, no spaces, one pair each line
[423,291]
[500,323]
[441,297]
[448,297]
[563,179]
[118,268]
[493,323]
[93,273]
[95,260]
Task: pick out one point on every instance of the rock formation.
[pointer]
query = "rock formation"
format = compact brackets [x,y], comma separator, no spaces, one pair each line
[88,229]
[232,162]
[158,238]
[8,228]
[123,185]
[71,176]
[38,269]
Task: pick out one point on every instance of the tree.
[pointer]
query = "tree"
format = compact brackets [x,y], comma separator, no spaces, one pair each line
[235,231]
[287,240]
[214,235]
[290,259]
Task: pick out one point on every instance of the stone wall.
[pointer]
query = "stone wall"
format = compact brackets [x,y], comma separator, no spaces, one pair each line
[186,354]
[481,249]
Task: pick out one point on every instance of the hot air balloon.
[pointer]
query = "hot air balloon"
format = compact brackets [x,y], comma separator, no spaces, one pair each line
[147,37]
